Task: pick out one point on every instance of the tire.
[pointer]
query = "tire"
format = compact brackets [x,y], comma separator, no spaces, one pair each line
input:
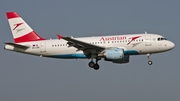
[96,67]
[150,62]
[91,64]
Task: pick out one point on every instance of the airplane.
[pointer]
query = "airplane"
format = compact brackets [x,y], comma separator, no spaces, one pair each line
[112,48]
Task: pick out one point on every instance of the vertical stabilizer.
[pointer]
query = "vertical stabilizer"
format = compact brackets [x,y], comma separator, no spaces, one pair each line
[21,31]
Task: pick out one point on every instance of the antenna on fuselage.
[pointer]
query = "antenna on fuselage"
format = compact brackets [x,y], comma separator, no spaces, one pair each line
[145,32]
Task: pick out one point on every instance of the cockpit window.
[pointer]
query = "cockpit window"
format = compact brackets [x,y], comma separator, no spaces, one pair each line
[159,39]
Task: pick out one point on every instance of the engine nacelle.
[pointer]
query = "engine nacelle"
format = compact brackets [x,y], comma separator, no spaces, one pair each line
[114,54]
[124,60]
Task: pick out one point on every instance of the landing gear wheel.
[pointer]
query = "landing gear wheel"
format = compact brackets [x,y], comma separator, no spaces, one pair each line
[91,64]
[96,67]
[150,62]
[149,57]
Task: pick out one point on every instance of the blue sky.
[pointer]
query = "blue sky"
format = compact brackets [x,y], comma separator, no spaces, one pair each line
[31,78]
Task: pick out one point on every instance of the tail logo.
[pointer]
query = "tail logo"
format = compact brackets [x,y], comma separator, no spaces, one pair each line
[17,25]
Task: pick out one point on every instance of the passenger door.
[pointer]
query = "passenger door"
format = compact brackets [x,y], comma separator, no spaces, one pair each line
[148,40]
[43,47]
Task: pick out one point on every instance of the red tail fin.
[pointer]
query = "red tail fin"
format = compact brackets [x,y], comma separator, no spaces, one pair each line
[21,31]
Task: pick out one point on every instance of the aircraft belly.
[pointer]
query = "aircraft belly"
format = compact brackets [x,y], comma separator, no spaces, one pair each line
[66,53]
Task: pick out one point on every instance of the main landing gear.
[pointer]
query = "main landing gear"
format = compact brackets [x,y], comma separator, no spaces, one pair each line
[94,65]
[149,59]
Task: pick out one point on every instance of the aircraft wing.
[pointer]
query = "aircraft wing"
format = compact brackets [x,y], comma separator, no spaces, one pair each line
[17,45]
[84,46]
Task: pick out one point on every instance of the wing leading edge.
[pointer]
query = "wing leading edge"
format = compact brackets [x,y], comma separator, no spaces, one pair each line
[84,46]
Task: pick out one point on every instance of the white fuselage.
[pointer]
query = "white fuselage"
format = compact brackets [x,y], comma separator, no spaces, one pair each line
[133,44]
[114,48]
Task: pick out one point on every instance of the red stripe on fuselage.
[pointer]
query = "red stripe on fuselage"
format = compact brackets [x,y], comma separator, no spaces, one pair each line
[133,38]
[11,15]
[32,36]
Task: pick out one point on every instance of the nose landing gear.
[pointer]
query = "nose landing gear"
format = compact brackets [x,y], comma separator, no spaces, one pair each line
[149,59]
[150,62]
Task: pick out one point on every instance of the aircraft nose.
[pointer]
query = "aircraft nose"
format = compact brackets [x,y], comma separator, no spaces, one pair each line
[171,45]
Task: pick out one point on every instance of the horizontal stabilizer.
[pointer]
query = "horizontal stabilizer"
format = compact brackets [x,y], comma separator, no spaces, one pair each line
[17,45]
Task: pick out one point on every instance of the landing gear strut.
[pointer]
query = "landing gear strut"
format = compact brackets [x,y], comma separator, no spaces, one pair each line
[149,59]
[94,65]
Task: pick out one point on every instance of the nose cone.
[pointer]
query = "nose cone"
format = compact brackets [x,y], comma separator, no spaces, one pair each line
[171,45]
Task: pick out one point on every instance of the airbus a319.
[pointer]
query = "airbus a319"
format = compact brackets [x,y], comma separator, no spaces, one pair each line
[113,48]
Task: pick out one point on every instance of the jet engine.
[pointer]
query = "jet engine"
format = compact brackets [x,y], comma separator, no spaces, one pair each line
[116,55]
[124,60]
